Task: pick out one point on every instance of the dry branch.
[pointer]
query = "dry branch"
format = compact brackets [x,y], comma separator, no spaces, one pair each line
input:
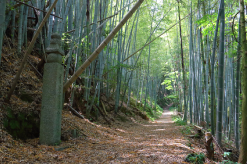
[75,112]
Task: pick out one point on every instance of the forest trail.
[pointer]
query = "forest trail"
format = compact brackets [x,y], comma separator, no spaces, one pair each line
[160,141]
[132,142]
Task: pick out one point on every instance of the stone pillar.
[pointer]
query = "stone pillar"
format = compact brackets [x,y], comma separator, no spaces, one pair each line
[51,110]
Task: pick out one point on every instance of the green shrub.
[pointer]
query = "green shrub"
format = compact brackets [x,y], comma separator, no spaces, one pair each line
[195,158]
[178,120]
[187,130]
[172,108]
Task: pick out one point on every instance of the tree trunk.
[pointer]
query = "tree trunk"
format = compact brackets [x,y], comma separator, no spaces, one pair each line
[237,92]
[220,75]
[212,76]
[20,29]
[243,147]
[183,69]
[149,52]
[2,24]
[191,63]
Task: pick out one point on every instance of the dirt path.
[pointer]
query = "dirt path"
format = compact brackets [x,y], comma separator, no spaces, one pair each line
[154,142]
[157,142]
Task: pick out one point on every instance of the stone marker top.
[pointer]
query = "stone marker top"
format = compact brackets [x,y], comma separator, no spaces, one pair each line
[55,44]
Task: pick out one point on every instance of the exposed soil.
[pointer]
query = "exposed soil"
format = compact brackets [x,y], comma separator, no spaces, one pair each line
[135,141]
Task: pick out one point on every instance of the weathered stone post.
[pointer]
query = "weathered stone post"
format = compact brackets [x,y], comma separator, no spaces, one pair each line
[51,110]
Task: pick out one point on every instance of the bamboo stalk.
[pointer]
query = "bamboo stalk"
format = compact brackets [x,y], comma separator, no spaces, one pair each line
[243,146]
[236,125]
[147,43]
[28,51]
[2,24]
[220,75]
[212,76]
[94,55]
[20,29]
[36,8]
[19,4]
[157,37]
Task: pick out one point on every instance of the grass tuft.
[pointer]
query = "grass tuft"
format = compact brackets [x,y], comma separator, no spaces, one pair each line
[178,120]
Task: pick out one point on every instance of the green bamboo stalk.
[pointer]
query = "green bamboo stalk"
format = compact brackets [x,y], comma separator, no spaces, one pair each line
[220,75]
[57,12]
[2,24]
[24,37]
[194,83]
[70,16]
[20,28]
[149,52]
[28,51]
[50,26]
[12,26]
[207,75]
[191,68]
[62,25]
[94,55]
[8,16]
[243,147]
[183,67]
[237,90]
[205,68]
[212,75]
[119,69]
[232,104]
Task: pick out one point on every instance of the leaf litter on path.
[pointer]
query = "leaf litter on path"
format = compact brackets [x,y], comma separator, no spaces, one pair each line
[134,141]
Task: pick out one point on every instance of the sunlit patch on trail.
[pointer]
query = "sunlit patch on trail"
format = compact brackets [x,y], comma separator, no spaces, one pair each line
[159,130]
[165,121]
[155,125]
[167,113]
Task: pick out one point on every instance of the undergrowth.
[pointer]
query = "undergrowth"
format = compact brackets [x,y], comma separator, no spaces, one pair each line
[152,113]
[178,120]
[168,100]
[172,108]
[195,158]
[186,130]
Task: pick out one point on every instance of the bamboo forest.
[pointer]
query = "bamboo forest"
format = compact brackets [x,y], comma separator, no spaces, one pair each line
[123,81]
